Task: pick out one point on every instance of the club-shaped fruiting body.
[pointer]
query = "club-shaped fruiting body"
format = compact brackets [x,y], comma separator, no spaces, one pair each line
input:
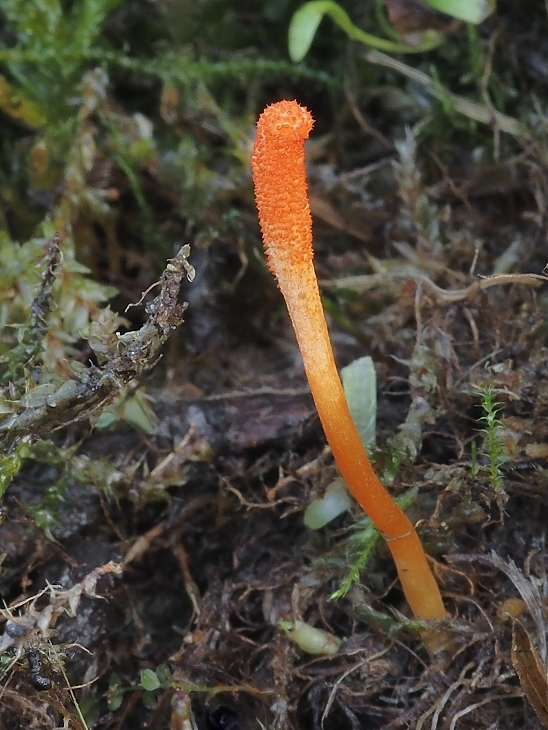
[281,192]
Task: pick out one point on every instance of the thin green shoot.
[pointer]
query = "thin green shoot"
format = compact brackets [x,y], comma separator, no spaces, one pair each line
[364,542]
[494,448]
[307,18]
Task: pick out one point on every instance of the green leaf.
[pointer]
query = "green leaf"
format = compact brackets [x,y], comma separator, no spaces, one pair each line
[302,29]
[472,11]
[322,511]
[310,639]
[106,419]
[137,412]
[115,692]
[306,20]
[149,680]
[360,387]
[163,673]
[134,410]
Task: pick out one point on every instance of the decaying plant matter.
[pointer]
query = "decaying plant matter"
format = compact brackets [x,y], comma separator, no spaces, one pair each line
[123,357]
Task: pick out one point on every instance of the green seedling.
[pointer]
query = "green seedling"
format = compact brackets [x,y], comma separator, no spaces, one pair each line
[493,448]
[306,20]
[149,681]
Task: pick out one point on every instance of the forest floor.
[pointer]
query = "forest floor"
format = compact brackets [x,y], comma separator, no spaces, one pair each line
[156,482]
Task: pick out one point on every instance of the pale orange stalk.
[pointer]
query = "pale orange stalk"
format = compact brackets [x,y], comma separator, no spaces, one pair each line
[279,175]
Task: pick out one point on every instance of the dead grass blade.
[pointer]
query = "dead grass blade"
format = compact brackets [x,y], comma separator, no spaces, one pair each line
[461,104]
[365,282]
[531,671]
[530,593]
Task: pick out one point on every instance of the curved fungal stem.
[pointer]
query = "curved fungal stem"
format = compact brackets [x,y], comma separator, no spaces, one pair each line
[279,175]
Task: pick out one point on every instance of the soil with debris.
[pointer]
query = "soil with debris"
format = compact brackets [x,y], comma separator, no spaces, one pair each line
[152,570]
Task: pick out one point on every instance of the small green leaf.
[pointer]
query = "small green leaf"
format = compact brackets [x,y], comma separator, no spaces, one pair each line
[302,29]
[322,511]
[360,387]
[115,692]
[134,410]
[472,11]
[106,419]
[307,18]
[149,680]
[310,639]
[137,412]
[163,673]
[90,709]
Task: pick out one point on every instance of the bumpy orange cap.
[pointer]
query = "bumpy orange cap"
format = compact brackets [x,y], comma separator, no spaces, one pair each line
[281,190]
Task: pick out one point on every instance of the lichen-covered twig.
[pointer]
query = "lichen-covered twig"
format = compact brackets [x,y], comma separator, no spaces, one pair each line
[42,302]
[125,357]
